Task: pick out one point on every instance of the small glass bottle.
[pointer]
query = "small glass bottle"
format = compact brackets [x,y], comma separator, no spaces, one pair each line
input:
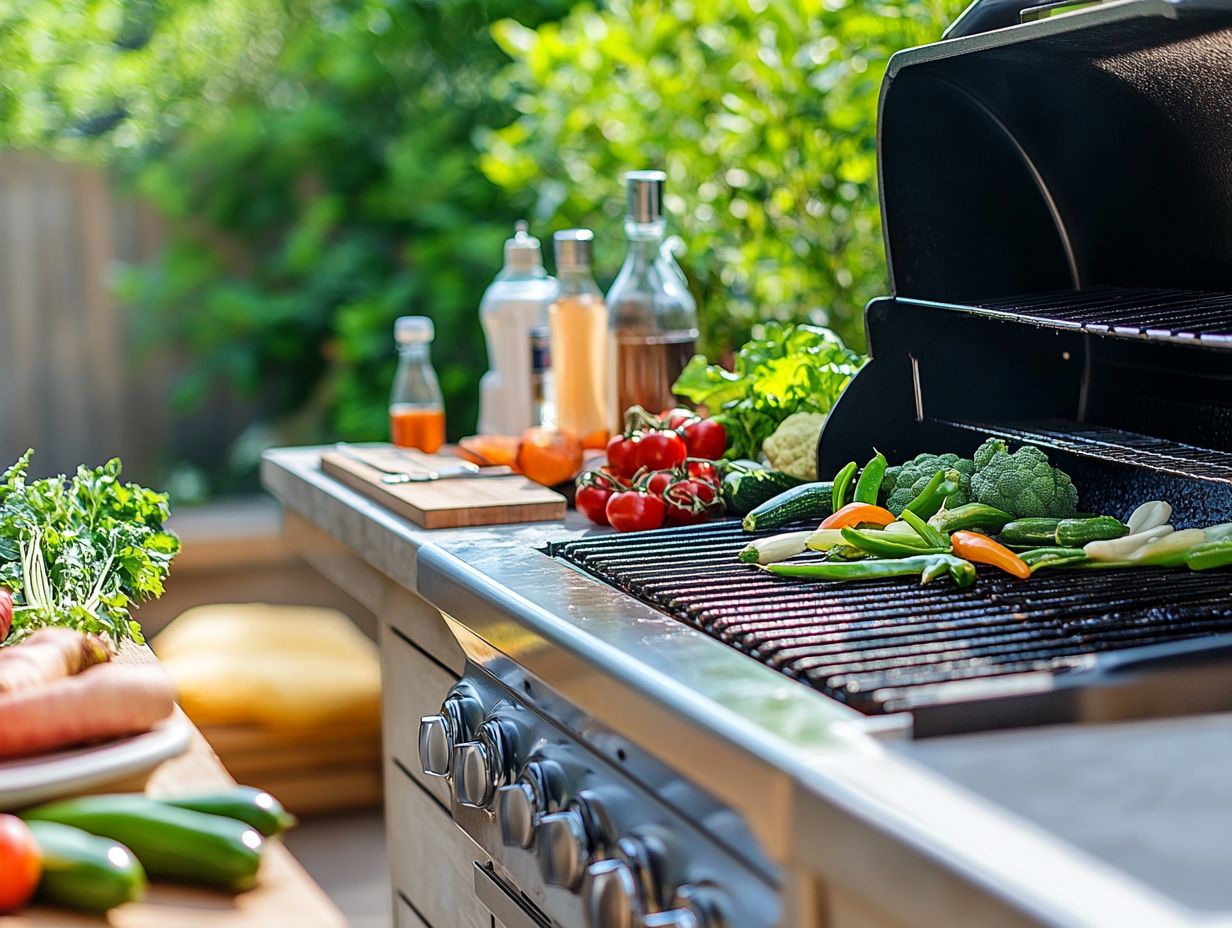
[416,408]
[653,314]
[543,395]
[580,339]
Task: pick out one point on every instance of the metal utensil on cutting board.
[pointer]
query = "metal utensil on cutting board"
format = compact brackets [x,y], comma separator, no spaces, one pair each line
[393,476]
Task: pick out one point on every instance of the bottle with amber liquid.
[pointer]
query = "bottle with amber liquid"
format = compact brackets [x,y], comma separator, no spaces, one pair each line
[578,321]
[416,407]
[653,316]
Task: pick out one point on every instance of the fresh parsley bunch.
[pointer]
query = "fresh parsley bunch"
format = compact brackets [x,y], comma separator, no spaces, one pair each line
[77,552]
[789,369]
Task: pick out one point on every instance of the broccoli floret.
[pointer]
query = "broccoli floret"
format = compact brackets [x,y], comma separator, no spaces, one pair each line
[904,483]
[1022,483]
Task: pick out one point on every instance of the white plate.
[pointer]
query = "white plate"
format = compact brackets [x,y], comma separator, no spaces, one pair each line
[27,780]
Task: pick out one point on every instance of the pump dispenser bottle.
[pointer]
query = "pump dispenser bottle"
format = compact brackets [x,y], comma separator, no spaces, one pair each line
[514,304]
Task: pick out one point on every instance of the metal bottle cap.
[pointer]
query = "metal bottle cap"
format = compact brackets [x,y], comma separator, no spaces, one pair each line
[413,330]
[522,252]
[645,195]
[573,249]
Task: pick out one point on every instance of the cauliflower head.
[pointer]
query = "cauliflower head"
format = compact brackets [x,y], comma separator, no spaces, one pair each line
[905,482]
[1022,483]
[792,448]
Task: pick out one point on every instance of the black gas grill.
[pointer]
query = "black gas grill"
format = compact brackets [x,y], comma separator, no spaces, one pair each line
[1057,204]
[894,645]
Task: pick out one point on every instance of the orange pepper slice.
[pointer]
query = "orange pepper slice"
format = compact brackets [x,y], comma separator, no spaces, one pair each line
[854,514]
[981,549]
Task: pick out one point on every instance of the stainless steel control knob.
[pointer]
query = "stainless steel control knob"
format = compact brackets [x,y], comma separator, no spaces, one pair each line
[613,897]
[692,907]
[518,813]
[435,745]
[472,774]
[564,848]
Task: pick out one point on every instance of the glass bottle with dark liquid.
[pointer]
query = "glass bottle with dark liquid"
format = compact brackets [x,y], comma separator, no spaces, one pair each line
[652,314]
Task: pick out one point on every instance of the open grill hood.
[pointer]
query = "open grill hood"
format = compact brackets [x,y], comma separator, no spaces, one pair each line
[1057,199]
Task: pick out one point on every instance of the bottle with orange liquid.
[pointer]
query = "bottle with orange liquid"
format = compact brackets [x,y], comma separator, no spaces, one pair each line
[580,341]
[416,407]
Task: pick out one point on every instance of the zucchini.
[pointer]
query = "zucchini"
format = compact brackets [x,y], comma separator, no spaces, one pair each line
[176,844]
[254,807]
[809,501]
[745,490]
[1074,533]
[1041,532]
[81,871]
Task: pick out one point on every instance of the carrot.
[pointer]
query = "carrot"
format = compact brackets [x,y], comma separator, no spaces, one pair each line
[106,702]
[49,654]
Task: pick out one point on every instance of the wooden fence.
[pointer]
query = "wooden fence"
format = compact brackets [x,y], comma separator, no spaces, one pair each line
[76,383]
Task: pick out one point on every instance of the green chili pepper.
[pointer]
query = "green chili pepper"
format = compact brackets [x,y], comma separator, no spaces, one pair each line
[869,484]
[931,537]
[1052,557]
[943,485]
[971,517]
[888,544]
[926,566]
[1210,555]
[842,482]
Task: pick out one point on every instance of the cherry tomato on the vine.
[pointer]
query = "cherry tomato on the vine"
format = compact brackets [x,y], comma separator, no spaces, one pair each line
[635,511]
[622,454]
[705,438]
[704,470]
[677,417]
[661,450]
[659,481]
[689,501]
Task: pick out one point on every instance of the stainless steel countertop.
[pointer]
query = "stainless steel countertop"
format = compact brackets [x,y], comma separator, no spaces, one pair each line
[1118,825]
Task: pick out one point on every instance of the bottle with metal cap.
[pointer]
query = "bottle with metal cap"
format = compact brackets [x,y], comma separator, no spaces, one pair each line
[580,340]
[416,407]
[514,304]
[653,315]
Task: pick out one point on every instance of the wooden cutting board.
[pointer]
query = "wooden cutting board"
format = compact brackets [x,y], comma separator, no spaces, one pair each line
[445,503]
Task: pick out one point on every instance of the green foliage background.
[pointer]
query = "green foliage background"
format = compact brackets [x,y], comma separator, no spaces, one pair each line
[327,165]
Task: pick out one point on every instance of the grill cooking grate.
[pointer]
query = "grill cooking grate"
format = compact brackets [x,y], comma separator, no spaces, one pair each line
[883,646]
[1183,315]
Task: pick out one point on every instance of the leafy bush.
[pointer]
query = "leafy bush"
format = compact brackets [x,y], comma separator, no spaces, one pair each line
[316,161]
[762,112]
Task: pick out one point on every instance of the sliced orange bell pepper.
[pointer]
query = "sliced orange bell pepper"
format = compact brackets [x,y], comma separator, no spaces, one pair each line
[981,549]
[854,514]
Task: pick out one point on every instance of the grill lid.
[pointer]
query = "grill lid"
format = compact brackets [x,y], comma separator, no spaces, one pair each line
[1082,150]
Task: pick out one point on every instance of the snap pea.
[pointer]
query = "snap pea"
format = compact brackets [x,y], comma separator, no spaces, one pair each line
[842,482]
[1210,555]
[926,566]
[971,517]
[1052,557]
[869,484]
[931,537]
[891,544]
[941,487]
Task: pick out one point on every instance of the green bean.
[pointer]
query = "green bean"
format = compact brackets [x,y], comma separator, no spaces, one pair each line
[941,487]
[931,537]
[883,544]
[1210,555]
[1052,557]
[842,482]
[869,484]
[926,566]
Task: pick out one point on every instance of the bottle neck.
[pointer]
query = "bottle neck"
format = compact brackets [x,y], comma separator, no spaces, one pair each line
[575,280]
[645,239]
[415,352]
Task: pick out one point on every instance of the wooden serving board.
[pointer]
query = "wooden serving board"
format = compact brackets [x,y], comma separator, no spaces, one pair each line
[446,503]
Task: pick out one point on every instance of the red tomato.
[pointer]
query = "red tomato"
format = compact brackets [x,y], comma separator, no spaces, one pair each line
[635,511]
[661,450]
[622,454]
[20,863]
[659,481]
[704,470]
[675,418]
[705,438]
[594,489]
[6,613]
[690,501]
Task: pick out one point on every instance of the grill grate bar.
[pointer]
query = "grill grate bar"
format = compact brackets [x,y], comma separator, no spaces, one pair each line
[884,645]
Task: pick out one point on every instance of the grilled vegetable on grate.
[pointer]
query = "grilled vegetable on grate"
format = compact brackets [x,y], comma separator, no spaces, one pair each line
[927,567]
